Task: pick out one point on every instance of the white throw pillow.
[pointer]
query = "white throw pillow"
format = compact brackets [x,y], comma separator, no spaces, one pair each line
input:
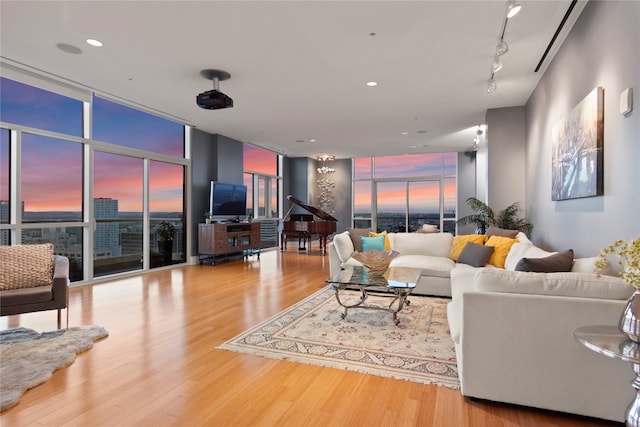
[431,244]
[582,285]
[522,238]
[588,265]
[516,253]
[344,246]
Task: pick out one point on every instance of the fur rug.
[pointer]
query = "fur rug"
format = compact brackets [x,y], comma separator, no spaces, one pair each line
[29,358]
[419,349]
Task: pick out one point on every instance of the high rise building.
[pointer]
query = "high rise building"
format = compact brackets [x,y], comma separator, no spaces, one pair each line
[106,238]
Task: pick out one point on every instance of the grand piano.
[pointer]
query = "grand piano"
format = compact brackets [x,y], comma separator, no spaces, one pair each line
[304,227]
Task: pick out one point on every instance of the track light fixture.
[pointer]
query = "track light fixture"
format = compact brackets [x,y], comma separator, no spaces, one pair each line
[513,7]
[497,65]
[502,47]
[491,85]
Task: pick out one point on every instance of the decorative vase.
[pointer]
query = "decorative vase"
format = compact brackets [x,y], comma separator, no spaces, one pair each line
[629,323]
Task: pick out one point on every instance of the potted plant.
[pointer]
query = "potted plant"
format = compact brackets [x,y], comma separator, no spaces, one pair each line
[628,253]
[508,218]
[207,217]
[166,232]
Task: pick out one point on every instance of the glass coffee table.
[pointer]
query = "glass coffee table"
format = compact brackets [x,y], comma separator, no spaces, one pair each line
[396,283]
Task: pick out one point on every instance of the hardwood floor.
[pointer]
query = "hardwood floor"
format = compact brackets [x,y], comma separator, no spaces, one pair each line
[160,365]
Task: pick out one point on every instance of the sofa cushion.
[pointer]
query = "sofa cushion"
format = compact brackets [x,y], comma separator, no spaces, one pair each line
[501,245]
[35,295]
[460,241]
[475,255]
[26,266]
[369,243]
[355,234]
[430,265]
[501,232]
[387,245]
[516,253]
[588,265]
[561,261]
[431,244]
[344,246]
[582,285]
[522,238]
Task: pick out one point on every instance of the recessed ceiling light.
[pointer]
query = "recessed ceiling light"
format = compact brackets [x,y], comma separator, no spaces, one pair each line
[372,84]
[312,140]
[94,42]
[404,133]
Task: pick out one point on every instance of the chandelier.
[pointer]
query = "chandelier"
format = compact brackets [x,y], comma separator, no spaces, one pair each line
[324,168]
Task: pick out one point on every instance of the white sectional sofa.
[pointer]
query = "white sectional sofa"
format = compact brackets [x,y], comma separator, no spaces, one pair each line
[513,330]
[426,251]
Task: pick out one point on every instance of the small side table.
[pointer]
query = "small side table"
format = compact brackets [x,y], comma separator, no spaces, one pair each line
[610,342]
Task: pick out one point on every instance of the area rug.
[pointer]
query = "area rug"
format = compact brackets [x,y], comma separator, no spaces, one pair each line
[29,358]
[419,349]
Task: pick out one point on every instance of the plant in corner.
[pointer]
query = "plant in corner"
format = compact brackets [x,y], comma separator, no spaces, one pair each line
[207,217]
[628,253]
[484,216]
[166,232]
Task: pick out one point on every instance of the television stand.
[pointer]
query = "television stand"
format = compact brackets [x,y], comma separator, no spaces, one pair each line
[217,242]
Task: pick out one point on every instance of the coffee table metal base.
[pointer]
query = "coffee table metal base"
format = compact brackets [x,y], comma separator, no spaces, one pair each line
[398,295]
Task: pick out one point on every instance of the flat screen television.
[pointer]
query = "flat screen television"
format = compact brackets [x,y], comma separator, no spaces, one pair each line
[227,199]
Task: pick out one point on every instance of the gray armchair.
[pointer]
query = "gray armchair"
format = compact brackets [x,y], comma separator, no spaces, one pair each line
[33,279]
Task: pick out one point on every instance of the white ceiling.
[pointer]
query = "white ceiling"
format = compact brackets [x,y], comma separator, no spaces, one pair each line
[298,68]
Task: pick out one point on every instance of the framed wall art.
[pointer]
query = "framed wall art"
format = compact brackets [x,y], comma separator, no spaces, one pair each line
[577,150]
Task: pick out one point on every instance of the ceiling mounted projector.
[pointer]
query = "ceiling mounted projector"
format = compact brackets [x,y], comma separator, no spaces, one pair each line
[214,99]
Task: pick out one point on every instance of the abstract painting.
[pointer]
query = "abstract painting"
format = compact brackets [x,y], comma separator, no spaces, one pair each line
[577,150]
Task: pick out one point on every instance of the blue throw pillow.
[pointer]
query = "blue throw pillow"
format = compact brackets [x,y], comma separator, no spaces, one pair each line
[376,243]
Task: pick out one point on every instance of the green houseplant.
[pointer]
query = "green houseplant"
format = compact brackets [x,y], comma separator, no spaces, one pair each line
[484,216]
[166,232]
[207,217]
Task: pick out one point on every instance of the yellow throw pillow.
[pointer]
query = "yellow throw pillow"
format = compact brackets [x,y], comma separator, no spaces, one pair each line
[502,246]
[459,242]
[387,244]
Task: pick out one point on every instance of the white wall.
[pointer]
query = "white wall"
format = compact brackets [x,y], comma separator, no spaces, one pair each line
[603,49]
[506,157]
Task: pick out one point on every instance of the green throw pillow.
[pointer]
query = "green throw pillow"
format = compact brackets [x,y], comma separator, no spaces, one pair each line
[376,243]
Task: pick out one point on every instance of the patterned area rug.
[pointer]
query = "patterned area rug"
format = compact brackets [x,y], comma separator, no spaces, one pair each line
[28,358]
[419,349]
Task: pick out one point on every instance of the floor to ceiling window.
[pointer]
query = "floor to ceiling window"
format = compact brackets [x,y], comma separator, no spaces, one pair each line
[92,192]
[264,187]
[5,163]
[166,207]
[401,193]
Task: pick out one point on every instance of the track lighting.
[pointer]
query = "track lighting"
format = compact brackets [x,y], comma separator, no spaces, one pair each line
[497,65]
[502,47]
[513,8]
[491,86]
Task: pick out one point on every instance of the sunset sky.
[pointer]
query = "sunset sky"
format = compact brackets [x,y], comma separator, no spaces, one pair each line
[52,167]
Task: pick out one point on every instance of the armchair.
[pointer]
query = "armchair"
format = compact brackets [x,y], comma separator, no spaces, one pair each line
[33,279]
